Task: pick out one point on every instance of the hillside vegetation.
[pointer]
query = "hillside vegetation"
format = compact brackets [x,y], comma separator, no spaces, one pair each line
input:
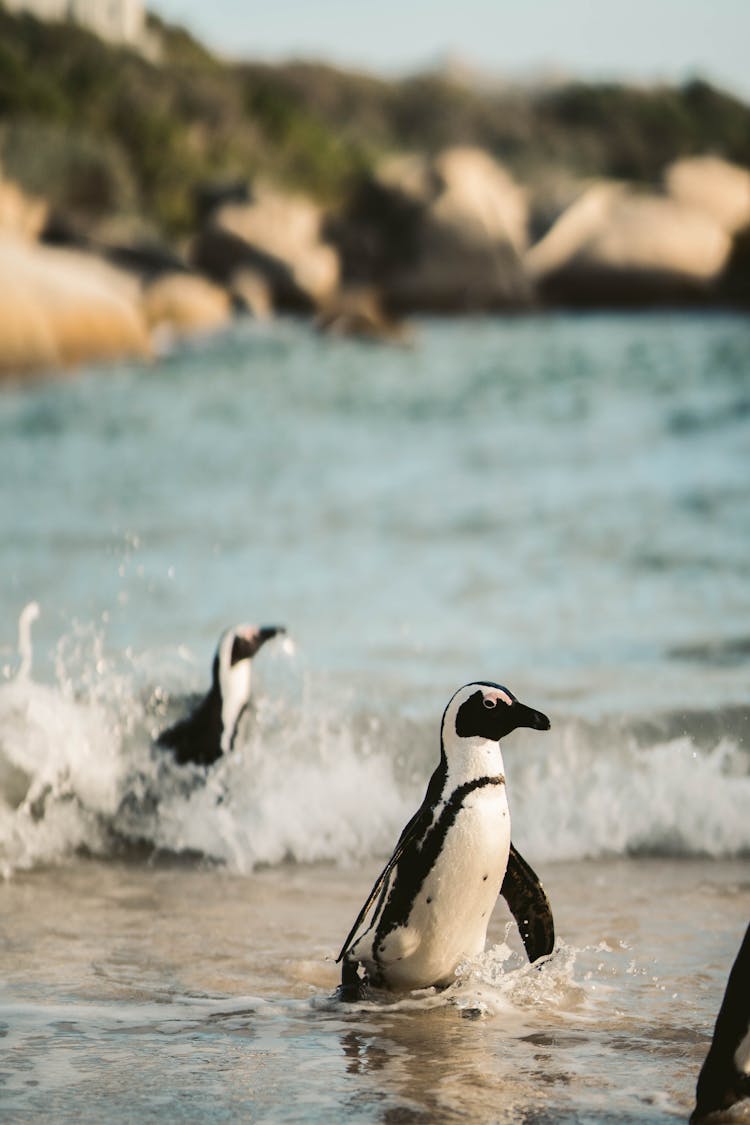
[99,130]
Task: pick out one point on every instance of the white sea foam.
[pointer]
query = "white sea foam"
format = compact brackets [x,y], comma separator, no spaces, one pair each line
[60,771]
[591,796]
[303,788]
[313,779]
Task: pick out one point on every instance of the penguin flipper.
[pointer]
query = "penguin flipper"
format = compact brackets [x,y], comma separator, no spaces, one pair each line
[529,905]
[409,833]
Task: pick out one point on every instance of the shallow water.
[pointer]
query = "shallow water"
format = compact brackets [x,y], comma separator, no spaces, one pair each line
[558,503]
[561,499]
[138,992]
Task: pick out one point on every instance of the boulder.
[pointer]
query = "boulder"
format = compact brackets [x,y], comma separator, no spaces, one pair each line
[61,307]
[278,236]
[251,293]
[183,303]
[615,245]
[713,186]
[476,195]
[147,260]
[735,283]
[442,234]
[127,241]
[20,214]
[27,339]
[358,312]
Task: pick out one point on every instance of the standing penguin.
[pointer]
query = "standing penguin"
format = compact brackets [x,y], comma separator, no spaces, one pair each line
[724,1080]
[211,727]
[437,891]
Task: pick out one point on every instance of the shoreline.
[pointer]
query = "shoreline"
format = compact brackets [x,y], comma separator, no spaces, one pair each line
[228,1011]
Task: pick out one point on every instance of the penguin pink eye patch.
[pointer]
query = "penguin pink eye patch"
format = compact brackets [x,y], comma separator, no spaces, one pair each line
[492,699]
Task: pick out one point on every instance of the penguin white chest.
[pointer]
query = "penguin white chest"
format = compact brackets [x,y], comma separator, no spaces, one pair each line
[451,911]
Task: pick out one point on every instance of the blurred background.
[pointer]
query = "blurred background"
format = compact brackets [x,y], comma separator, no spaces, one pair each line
[359,166]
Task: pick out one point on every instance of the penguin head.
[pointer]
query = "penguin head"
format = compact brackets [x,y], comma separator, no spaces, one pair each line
[231,672]
[489,711]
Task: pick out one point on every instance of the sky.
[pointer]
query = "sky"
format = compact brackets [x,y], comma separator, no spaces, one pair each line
[641,40]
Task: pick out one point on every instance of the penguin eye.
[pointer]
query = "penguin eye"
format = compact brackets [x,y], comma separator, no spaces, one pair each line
[489,702]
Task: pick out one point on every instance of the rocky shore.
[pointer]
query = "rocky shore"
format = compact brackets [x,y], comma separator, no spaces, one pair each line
[447,234]
[146,197]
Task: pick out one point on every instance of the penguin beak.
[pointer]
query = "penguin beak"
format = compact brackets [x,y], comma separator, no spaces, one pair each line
[247,642]
[527,717]
[266,632]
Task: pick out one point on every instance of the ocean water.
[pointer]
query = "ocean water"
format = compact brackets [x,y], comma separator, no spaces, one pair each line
[558,503]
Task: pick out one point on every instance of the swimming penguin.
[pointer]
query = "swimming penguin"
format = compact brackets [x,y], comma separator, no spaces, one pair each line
[724,1080]
[210,729]
[437,891]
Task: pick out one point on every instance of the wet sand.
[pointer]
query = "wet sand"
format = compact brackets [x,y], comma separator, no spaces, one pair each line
[171,991]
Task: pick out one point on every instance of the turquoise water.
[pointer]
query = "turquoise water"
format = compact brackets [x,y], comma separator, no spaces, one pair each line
[558,501]
[561,504]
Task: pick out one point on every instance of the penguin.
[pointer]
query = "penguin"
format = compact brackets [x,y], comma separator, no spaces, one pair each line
[210,729]
[437,891]
[724,1080]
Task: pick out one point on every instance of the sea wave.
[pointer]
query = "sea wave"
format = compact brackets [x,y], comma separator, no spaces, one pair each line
[314,777]
[597,796]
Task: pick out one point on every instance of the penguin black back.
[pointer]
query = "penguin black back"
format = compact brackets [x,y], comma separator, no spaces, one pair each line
[211,728]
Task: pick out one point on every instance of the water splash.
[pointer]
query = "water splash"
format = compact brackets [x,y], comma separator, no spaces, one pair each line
[29,614]
[501,980]
[313,777]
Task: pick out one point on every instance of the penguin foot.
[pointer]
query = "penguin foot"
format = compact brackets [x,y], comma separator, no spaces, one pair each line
[355,984]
